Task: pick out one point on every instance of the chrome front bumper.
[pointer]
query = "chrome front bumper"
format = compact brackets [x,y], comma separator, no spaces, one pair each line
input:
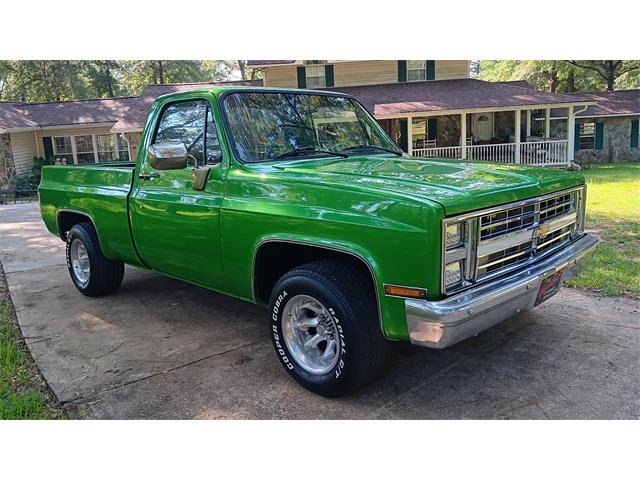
[443,323]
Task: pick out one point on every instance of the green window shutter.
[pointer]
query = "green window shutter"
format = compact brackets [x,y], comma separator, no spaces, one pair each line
[402,70]
[431,69]
[302,77]
[48,147]
[328,75]
[404,136]
[634,133]
[432,128]
[599,135]
[576,139]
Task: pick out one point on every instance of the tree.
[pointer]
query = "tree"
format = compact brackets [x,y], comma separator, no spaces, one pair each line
[608,70]
[43,80]
[137,74]
[101,77]
[550,75]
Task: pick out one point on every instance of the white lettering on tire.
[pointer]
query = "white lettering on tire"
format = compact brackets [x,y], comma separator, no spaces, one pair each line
[279,346]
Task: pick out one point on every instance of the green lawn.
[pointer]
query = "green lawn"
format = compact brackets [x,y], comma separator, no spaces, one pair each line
[613,215]
[23,393]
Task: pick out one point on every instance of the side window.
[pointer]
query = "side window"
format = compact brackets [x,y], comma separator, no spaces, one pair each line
[213,152]
[184,122]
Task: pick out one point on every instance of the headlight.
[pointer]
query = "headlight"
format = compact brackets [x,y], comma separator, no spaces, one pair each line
[453,273]
[453,235]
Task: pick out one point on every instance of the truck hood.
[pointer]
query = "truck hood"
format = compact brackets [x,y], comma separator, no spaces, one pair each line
[457,185]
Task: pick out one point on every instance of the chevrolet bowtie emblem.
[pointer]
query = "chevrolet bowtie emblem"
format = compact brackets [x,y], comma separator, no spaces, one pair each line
[543,230]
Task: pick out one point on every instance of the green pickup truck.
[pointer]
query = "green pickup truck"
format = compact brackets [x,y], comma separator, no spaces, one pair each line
[298,200]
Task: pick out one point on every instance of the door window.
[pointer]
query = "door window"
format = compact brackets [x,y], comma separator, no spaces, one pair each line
[184,122]
[213,152]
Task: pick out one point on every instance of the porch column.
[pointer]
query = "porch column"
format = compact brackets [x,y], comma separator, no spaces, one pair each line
[463,135]
[517,134]
[571,135]
[410,135]
[35,137]
[547,123]
[528,125]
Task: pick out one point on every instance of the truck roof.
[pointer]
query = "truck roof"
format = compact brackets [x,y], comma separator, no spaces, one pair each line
[218,89]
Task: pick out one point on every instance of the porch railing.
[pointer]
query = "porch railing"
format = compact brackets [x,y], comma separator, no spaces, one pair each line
[497,152]
[548,152]
[438,152]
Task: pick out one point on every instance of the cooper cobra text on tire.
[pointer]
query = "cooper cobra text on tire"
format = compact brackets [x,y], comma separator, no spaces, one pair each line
[325,329]
[91,272]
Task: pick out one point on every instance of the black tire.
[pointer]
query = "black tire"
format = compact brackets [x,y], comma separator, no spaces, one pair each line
[105,276]
[350,298]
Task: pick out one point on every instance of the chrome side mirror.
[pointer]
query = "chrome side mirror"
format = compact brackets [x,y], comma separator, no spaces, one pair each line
[168,156]
[199,177]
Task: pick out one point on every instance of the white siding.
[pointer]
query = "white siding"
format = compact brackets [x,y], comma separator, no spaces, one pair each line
[23,145]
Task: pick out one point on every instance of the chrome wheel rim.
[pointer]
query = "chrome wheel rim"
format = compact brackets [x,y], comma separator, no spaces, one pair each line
[80,261]
[310,334]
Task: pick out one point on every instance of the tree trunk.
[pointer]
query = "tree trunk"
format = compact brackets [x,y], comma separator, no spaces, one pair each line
[571,82]
[160,72]
[553,79]
[109,81]
[610,67]
[243,69]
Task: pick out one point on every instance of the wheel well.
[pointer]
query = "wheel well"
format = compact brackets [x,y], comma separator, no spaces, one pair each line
[274,259]
[66,220]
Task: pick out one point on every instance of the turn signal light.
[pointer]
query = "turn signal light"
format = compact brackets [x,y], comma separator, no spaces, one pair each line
[405,292]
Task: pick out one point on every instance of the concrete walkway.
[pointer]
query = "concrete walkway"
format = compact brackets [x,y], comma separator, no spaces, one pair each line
[159,348]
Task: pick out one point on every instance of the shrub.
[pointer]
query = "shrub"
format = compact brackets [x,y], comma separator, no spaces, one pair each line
[36,169]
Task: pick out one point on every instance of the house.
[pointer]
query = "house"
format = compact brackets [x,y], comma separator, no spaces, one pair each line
[77,131]
[433,108]
[607,131]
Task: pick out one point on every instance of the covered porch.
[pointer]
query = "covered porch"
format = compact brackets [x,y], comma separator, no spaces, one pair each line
[504,136]
[476,120]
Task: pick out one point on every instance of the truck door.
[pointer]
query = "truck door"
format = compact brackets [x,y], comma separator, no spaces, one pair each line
[176,229]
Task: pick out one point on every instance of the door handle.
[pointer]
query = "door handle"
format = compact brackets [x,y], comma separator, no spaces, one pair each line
[148,176]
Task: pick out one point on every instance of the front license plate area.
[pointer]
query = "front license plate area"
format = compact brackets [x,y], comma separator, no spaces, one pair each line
[549,287]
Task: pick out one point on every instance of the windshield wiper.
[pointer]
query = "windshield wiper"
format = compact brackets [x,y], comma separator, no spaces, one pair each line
[298,152]
[373,147]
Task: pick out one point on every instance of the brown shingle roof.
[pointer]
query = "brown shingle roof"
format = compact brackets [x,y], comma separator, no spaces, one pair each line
[619,102]
[136,117]
[12,117]
[127,113]
[444,95]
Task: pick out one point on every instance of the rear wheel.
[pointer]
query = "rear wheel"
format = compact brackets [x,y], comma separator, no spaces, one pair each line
[92,273]
[325,328]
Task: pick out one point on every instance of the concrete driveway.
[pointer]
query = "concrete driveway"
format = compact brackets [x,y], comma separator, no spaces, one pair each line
[159,348]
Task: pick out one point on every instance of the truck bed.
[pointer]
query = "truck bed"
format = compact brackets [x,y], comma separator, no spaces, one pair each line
[98,191]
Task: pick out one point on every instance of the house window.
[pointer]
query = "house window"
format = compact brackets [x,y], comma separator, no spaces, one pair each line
[62,148]
[84,149]
[315,76]
[416,70]
[106,148]
[587,135]
[123,147]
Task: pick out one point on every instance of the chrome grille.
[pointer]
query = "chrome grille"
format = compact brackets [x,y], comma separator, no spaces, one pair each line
[505,221]
[499,240]
[522,223]
[503,258]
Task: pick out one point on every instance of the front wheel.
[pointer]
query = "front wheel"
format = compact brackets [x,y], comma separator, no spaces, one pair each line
[92,273]
[325,328]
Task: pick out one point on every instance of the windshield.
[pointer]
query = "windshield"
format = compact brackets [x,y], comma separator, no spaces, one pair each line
[270,125]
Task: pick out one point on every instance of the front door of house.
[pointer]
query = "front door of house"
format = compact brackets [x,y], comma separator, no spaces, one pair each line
[482,126]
